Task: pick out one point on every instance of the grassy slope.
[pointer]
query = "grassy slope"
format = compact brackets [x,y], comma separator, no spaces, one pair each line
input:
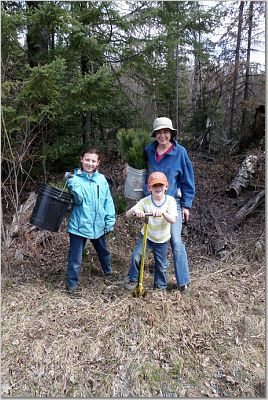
[209,343]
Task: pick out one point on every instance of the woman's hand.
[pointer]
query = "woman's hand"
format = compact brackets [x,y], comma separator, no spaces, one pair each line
[185,214]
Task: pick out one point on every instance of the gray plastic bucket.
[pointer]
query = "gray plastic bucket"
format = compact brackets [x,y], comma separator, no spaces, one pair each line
[50,208]
[135,182]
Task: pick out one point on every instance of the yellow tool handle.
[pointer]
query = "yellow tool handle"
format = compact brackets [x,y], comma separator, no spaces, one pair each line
[143,251]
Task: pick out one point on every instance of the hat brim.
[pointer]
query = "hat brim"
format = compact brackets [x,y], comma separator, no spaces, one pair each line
[158,183]
[174,131]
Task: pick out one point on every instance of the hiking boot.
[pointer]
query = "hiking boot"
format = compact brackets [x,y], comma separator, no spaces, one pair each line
[172,286]
[185,289]
[110,277]
[108,274]
[73,292]
[130,285]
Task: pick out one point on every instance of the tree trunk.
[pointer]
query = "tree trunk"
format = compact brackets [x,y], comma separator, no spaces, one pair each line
[52,39]
[197,87]
[85,69]
[235,74]
[244,122]
[37,38]
[195,91]
[177,90]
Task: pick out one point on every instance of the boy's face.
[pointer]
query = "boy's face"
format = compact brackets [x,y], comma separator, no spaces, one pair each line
[90,162]
[163,136]
[158,191]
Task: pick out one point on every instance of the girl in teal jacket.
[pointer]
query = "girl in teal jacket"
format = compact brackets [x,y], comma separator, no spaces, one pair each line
[93,216]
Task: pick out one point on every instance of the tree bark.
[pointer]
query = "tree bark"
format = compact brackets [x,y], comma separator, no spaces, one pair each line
[37,39]
[195,91]
[85,69]
[246,90]
[177,90]
[220,243]
[243,176]
[235,74]
[197,86]
[247,209]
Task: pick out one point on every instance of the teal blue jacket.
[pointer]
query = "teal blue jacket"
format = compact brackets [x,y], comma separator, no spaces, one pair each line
[93,212]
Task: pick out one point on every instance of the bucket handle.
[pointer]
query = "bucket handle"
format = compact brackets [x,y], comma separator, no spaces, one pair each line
[63,188]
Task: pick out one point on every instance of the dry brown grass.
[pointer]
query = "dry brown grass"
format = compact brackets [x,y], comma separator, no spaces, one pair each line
[208,343]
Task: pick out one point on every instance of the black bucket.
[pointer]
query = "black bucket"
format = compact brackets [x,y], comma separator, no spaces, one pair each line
[50,208]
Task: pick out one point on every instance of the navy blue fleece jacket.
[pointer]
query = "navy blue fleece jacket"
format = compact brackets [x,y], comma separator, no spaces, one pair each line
[178,169]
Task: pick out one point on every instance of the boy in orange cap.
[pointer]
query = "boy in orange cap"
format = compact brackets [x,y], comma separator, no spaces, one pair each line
[164,208]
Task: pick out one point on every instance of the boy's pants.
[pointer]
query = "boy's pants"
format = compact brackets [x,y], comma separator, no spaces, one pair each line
[75,256]
[178,250]
[160,251]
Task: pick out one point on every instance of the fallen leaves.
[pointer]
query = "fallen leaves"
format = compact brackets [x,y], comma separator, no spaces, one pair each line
[108,344]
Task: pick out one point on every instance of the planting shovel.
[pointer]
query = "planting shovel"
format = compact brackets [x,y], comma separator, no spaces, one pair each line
[139,290]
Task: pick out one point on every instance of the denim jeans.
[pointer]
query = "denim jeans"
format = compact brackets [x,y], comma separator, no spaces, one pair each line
[160,251]
[75,256]
[178,250]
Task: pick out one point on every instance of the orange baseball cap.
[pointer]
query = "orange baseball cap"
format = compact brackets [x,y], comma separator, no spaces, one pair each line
[157,177]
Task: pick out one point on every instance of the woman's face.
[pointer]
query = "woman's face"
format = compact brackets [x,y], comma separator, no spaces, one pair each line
[89,162]
[163,136]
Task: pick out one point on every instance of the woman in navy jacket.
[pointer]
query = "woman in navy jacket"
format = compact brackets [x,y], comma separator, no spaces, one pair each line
[166,155]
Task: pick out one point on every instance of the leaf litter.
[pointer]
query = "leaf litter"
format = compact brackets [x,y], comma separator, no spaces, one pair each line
[209,343]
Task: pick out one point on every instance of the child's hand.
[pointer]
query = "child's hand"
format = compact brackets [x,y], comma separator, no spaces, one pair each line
[68,175]
[139,214]
[107,231]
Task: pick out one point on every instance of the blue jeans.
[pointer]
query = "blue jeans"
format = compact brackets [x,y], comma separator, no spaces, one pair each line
[160,251]
[179,253]
[75,256]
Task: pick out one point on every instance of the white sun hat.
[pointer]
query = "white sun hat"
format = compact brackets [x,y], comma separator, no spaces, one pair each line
[161,123]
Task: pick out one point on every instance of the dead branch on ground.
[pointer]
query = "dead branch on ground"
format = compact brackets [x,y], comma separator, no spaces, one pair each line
[243,177]
[248,208]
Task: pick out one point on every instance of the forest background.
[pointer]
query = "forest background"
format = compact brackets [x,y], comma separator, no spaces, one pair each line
[73,74]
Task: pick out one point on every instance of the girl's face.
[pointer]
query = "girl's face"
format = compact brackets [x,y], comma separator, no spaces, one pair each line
[163,136]
[90,162]
[158,191]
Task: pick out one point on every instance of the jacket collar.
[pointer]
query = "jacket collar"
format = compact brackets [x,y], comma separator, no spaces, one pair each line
[79,172]
[152,146]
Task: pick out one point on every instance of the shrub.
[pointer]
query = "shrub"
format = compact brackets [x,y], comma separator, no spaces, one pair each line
[120,203]
[131,146]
